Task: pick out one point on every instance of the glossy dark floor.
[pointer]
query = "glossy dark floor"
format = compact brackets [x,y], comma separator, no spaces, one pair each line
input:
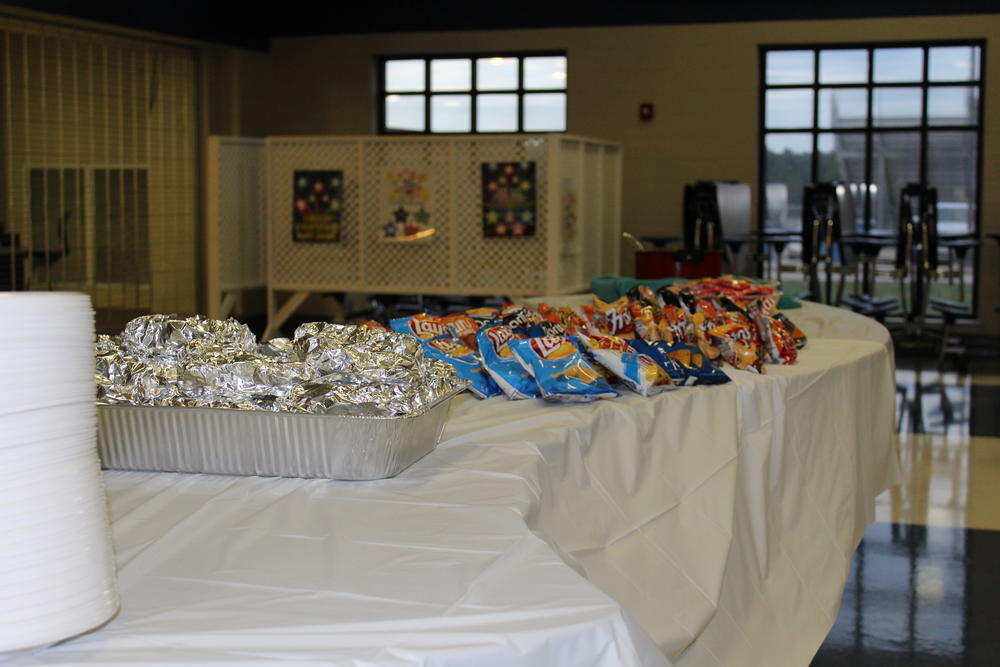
[924,587]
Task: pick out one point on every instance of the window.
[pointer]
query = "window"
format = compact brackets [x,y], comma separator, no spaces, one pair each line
[524,92]
[875,117]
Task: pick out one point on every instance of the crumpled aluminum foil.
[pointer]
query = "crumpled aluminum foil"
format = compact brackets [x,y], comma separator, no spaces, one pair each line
[165,360]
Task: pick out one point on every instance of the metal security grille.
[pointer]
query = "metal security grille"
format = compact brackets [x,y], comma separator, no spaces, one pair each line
[98,171]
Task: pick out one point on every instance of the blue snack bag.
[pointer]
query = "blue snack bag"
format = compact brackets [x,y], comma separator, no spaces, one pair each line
[561,371]
[499,362]
[424,327]
[636,370]
[466,364]
[659,352]
[692,359]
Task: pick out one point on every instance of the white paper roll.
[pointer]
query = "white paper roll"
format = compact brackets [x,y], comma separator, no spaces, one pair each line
[57,570]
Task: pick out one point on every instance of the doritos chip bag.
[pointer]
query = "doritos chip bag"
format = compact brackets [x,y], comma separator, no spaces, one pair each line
[691,358]
[736,343]
[466,363]
[560,370]
[499,362]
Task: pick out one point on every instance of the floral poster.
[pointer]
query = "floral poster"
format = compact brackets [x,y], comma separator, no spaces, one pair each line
[508,199]
[318,203]
[407,199]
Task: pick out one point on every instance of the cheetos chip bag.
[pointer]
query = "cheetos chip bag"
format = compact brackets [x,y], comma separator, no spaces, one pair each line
[560,369]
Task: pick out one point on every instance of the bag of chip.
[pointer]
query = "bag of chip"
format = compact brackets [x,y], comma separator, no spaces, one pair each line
[463,328]
[735,342]
[466,364]
[420,325]
[644,320]
[499,362]
[692,359]
[658,351]
[637,371]
[614,319]
[560,369]
[372,324]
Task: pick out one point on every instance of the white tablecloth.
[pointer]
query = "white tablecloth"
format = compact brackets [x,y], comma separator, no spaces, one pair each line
[710,525]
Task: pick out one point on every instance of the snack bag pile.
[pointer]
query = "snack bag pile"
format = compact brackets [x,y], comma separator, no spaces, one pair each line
[646,342]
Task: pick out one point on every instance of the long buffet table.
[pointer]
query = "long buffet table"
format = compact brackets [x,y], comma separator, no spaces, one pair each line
[706,526]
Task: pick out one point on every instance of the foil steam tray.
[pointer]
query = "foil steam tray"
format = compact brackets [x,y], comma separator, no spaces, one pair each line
[272,444]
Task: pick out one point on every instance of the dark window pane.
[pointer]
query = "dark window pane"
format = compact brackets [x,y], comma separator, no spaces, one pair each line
[451,113]
[788,67]
[895,162]
[403,76]
[896,106]
[953,105]
[405,112]
[496,113]
[843,66]
[496,73]
[788,108]
[951,168]
[451,74]
[898,65]
[842,159]
[843,107]
[787,169]
[545,112]
[545,72]
[953,63]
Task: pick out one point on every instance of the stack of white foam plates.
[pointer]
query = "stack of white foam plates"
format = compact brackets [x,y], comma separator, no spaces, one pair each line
[57,576]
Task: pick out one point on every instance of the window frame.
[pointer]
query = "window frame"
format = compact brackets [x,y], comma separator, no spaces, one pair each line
[923,127]
[473,92]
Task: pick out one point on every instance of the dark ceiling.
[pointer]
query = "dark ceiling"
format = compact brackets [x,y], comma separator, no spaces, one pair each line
[239,24]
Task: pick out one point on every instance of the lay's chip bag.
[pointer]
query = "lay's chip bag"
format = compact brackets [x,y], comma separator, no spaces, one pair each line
[466,364]
[560,369]
[499,362]
[424,327]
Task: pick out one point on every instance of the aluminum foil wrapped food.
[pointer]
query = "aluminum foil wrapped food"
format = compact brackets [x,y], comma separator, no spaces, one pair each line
[165,360]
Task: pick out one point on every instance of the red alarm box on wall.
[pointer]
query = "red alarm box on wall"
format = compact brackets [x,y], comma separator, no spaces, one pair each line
[693,263]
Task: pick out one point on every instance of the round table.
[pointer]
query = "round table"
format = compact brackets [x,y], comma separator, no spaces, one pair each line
[705,526]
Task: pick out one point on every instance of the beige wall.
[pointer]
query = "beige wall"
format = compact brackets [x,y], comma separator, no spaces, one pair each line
[703,80]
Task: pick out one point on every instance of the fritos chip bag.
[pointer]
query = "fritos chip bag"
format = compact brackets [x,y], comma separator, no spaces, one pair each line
[499,362]
[639,372]
[736,343]
[466,363]
[614,319]
[560,369]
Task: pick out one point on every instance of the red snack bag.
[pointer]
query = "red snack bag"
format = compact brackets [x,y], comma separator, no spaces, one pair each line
[644,319]
[735,343]
[372,324]
[614,319]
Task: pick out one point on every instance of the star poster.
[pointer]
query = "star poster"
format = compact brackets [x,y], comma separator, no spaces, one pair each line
[317,206]
[407,198]
[508,199]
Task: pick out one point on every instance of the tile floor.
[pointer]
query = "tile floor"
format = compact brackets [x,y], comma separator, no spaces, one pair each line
[925,583]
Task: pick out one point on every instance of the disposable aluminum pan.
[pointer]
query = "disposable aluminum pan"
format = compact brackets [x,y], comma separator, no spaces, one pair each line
[274,444]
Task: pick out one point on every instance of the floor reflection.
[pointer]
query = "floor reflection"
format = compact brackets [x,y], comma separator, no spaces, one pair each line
[925,580]
[919,595]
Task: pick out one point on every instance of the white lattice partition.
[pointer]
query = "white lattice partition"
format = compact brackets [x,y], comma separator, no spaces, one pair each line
[576,225]
[234,230]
